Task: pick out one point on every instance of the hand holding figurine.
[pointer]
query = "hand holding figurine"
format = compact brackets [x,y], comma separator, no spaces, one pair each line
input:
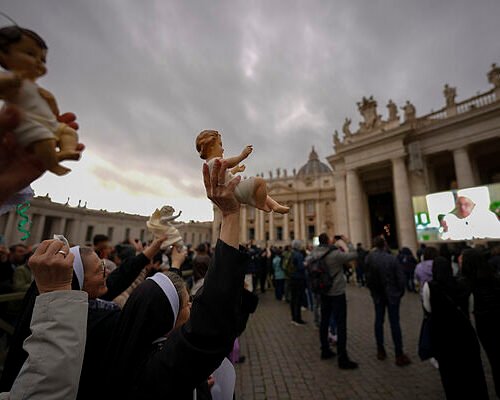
[251,191]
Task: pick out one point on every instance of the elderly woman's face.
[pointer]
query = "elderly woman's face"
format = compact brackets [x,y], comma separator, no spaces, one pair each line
[94,282]
[185,310]
[464,206]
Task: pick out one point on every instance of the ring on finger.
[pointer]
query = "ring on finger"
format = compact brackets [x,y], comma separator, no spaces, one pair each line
[62,252]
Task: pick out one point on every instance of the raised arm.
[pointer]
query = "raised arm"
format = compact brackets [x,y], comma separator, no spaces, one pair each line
[194,351]
[57,342]
[121,278]
[234,161]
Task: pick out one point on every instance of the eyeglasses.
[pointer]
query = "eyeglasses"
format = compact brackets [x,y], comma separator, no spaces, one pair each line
[103,265]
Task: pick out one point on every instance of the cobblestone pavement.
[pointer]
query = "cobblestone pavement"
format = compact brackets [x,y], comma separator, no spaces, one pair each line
[283,360]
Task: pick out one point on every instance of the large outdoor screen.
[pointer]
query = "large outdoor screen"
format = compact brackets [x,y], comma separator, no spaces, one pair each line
[463,214]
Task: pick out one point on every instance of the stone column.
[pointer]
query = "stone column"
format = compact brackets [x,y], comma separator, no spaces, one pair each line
[271,227]
[59,226]
[243,224]
[355,207]
[37,231]
[303,235]
[286,232]
[74,234]
[407,234]
[341,221]
[463,168]
[318,218]
[261,225]
[296,220]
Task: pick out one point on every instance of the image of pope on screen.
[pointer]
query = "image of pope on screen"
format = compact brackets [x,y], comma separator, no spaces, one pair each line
[470,218]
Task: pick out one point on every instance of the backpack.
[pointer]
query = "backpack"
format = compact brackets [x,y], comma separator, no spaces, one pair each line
[287,264]
[319,276]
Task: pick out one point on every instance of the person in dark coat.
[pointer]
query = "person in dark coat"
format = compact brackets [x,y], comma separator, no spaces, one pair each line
[386,282]
[485,286]
[408,264]
[454,341]
[193,351]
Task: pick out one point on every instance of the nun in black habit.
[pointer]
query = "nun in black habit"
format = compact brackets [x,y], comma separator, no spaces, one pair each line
[454,341]
[101,317]
[218,315]
[183,358]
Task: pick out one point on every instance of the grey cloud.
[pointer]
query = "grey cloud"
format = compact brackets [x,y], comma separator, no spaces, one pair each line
[146,77]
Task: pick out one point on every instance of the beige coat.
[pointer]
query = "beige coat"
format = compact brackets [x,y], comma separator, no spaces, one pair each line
[55,348]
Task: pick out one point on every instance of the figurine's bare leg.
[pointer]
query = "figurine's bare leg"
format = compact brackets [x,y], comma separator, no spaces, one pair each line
[68,140]
[260,195]
[276,207]
[45,150]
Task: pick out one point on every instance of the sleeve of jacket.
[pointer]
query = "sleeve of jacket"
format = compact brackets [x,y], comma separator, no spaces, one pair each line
[122,277]
[349,256]
[194,351]
[55,348]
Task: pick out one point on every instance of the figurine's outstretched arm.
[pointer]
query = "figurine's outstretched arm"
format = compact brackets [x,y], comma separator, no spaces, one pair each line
[171,218]
[50,99]
[234,161]
[237,169]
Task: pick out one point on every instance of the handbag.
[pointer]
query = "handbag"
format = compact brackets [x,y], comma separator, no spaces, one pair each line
[424,340]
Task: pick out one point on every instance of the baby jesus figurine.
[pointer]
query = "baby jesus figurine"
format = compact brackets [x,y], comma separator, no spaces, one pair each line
[159,224]
[251,191]
[22,54]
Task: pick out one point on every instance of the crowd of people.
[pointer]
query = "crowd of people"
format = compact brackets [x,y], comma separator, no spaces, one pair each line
[453,282]
[126,313]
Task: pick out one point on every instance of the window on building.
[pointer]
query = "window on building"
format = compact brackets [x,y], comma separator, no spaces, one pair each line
[47,228]
[110,233]
[309,208]
[200,238]
[90,233]
[279,233]
[310,232]
[292,235]
[267,235]
[185,237]
[143,233]
[127,233]
[251,233]
[192,238]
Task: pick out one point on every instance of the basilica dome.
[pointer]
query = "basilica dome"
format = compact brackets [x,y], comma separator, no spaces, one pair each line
[313,166]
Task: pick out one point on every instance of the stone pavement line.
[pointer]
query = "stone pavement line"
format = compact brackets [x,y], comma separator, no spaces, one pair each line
[283,360]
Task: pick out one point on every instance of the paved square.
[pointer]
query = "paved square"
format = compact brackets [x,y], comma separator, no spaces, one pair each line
[283,360]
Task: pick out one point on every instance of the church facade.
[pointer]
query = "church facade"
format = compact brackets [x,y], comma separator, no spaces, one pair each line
[367,187]
[80,224]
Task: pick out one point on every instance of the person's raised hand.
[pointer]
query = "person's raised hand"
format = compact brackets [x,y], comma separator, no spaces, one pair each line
[178,256]
[154,247]
[52,266]
[19,167]
[220,192]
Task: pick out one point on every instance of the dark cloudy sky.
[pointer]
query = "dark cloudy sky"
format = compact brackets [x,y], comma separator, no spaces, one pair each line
[144,77]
